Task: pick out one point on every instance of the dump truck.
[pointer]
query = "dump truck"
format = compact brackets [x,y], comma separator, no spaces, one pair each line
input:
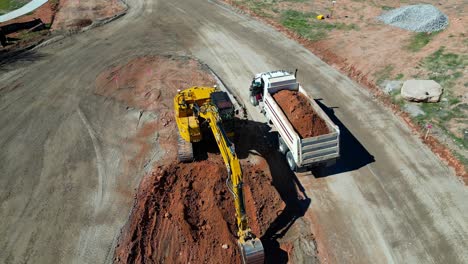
[301,153]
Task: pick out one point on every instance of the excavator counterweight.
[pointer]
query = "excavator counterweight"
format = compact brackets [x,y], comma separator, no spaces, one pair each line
[194,107]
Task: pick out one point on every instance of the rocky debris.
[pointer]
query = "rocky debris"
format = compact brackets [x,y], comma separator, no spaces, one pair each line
[300,113]
[389,86]
[413,109]
[417,18]
[421,91]
[225,246]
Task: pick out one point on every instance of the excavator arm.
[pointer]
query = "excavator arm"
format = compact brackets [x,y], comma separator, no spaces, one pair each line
[251,247]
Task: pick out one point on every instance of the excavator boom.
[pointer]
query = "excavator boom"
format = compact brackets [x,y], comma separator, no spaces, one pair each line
[197,102]
[250,246]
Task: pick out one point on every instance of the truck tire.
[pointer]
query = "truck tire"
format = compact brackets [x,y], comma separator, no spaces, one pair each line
[290,160]
[253,100]
[282,147]
[184,150]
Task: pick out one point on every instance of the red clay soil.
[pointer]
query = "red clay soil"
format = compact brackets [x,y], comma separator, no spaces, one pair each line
[300,113]
[184,213]
[76,14]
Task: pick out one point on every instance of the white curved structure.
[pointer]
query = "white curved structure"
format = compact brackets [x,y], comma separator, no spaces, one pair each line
[29,7]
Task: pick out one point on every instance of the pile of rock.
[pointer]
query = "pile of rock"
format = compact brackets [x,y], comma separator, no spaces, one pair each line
[417,18]
[421,91]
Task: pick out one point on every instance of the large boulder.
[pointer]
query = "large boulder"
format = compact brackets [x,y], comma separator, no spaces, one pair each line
[421,91]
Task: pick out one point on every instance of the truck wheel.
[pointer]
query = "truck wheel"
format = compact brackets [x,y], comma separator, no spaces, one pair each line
[253,100]
[290,160]
[282,146]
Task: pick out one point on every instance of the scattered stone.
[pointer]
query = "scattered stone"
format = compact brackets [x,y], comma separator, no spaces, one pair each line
[225,246]
[389,86]
[421,91]
[167,215]
[413,109]
[417,18]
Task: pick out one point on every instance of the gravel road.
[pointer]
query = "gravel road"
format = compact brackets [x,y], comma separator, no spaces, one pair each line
[67,188]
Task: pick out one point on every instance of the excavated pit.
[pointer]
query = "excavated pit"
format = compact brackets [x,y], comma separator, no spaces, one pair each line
[300,113]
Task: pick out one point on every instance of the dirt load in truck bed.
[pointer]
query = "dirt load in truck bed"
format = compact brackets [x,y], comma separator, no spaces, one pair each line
[300,113]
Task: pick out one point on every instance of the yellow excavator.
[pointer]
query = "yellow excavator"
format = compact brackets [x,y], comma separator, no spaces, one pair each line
[196,109]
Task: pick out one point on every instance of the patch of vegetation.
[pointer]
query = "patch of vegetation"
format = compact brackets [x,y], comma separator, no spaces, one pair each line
[383,74]
[24,35]
[260,8]
[445,68]
[399,76]
[386,8]
[9,5]
[420,40]
[306,25]
[294,1]
[440,61]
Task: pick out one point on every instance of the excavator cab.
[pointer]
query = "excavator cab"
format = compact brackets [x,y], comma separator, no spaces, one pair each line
[225,110]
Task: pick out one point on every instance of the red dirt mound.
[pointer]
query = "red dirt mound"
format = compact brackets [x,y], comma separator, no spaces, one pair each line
[184,213]
[300,113]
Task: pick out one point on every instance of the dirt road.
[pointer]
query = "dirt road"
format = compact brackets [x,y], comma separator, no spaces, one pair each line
[67,183]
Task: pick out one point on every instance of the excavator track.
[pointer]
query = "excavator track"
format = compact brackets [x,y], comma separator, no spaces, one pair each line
[252,252]
[184,150]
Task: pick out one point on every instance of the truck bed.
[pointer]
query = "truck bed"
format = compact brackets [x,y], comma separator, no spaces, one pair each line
[307,151]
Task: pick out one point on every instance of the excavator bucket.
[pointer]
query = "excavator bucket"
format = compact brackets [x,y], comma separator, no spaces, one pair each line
[252,251]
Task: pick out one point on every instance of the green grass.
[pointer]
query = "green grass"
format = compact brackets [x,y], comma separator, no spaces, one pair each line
[306,25]
[440,61]
[9,5]
[445,68]
[260,8]
[384,74]
[420,40]
[386,8]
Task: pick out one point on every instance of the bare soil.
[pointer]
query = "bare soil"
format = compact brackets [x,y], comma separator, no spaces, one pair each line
[301,114]
[150,83]
[78,14]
